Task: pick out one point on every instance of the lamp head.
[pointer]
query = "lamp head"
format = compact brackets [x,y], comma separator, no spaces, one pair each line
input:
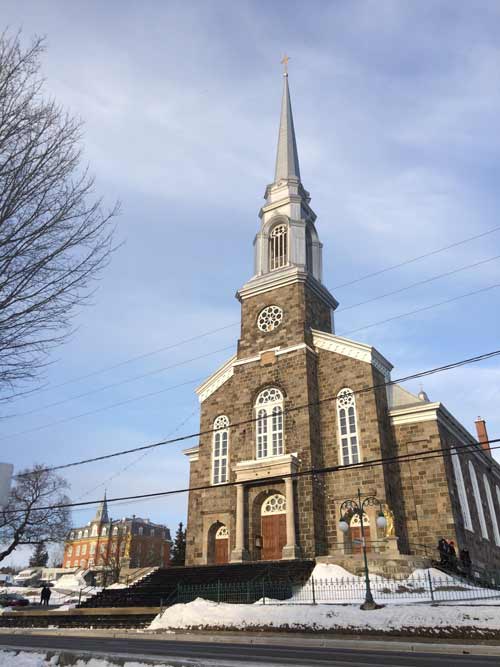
[381,521]
[343,525]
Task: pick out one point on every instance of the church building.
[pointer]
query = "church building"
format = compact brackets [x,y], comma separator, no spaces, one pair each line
[296,397]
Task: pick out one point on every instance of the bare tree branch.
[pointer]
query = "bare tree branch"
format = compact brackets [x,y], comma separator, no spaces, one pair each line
[55,236]
[21,522]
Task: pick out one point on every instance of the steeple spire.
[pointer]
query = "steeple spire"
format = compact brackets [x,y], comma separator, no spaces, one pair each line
[102,511]
[287,158]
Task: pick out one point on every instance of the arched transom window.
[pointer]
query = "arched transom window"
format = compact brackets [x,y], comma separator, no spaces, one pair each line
[269,429]
[275,504]
[278,247]
[222,533]
[220,450]
[348,426]
[479,502]
[356,521]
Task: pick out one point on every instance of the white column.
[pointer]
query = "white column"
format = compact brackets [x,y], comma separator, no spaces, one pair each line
[291,549]
[239,552]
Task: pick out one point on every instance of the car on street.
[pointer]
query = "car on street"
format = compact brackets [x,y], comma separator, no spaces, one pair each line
[13,600]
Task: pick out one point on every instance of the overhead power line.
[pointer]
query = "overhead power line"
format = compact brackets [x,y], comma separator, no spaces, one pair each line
[418,284]
[142,396]
[420,310]
[155,371]
[228,326]
[422,455]
[417,258]
[414,376]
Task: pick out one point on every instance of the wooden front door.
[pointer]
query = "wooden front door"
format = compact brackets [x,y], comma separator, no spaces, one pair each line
[357,547]
[273,536]
[222,551]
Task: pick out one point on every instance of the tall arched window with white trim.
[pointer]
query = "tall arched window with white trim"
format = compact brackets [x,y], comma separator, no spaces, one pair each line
[278,247]
[348,427]
[491,506]
[462,493]
[269,427]
[479,502]
[220,450]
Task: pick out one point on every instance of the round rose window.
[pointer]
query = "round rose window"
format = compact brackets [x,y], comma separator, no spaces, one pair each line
[270,318]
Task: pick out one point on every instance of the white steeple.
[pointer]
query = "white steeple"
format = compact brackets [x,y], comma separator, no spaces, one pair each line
[287,245]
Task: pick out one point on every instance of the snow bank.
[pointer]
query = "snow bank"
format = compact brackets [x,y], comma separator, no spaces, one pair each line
[203,614]
[29,659]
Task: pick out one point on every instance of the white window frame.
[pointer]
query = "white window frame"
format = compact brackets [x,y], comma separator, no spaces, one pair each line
[462,493]
[491,506]
[84,549]
[220,450]
[347,418]
[92,548]
[479,502]
[269,426]
[279,246]
[77,552]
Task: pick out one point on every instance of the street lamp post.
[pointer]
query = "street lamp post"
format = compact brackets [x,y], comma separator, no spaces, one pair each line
[358,507]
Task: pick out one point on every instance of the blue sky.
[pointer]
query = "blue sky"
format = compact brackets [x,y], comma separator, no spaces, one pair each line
[396,110]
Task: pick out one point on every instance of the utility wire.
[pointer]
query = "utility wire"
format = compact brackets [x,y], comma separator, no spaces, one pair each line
[420,282]
[345,333]
[422,455]
[155,371]
[212,331]
[104,369]
[420,374]
[416,259]
[105,407]
[420,310]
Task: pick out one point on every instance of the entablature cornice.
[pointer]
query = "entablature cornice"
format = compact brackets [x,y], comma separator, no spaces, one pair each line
[275,466]
[276,279]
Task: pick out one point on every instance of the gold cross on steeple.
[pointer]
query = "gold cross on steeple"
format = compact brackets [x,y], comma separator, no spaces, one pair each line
[284,62]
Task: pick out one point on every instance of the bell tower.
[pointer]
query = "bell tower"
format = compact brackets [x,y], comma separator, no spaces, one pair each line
[285,297]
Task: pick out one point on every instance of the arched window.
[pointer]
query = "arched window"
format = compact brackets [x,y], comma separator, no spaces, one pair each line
[348,426]
[491,507]
[94,531]
[278,247]
[269,409]
[70,551]
[104,531]
[462,494]
[479,502]
[79,534]
[85,533]
[222,533]
[220,450]
[275,504]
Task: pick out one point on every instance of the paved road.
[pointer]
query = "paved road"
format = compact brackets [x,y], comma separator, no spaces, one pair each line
[234,653]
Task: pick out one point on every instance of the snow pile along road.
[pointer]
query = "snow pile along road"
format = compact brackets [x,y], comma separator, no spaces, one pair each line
[422,619]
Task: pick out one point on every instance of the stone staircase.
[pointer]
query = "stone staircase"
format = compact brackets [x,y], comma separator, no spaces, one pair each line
[160,587]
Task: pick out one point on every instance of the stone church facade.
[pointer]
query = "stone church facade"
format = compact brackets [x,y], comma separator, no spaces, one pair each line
[297,397]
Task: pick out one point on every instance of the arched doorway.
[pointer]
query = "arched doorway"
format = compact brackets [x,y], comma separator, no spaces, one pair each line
[273,527]
[222,545]
[355,533]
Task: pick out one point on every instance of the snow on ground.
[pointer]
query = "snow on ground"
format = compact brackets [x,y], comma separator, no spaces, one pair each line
[29,659]
[335,585]
[201,614]
[60,595]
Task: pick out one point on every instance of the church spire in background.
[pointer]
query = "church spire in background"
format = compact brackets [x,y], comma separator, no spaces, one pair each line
[287,158]
[102,511]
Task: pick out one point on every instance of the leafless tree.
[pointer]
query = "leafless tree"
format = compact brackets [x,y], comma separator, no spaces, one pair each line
[23,522]
[55,236]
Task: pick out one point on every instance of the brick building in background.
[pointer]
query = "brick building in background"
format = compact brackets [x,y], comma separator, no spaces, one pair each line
[113,544]
[302,397]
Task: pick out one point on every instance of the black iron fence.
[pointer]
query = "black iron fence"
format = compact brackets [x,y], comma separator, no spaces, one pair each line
[423,587]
